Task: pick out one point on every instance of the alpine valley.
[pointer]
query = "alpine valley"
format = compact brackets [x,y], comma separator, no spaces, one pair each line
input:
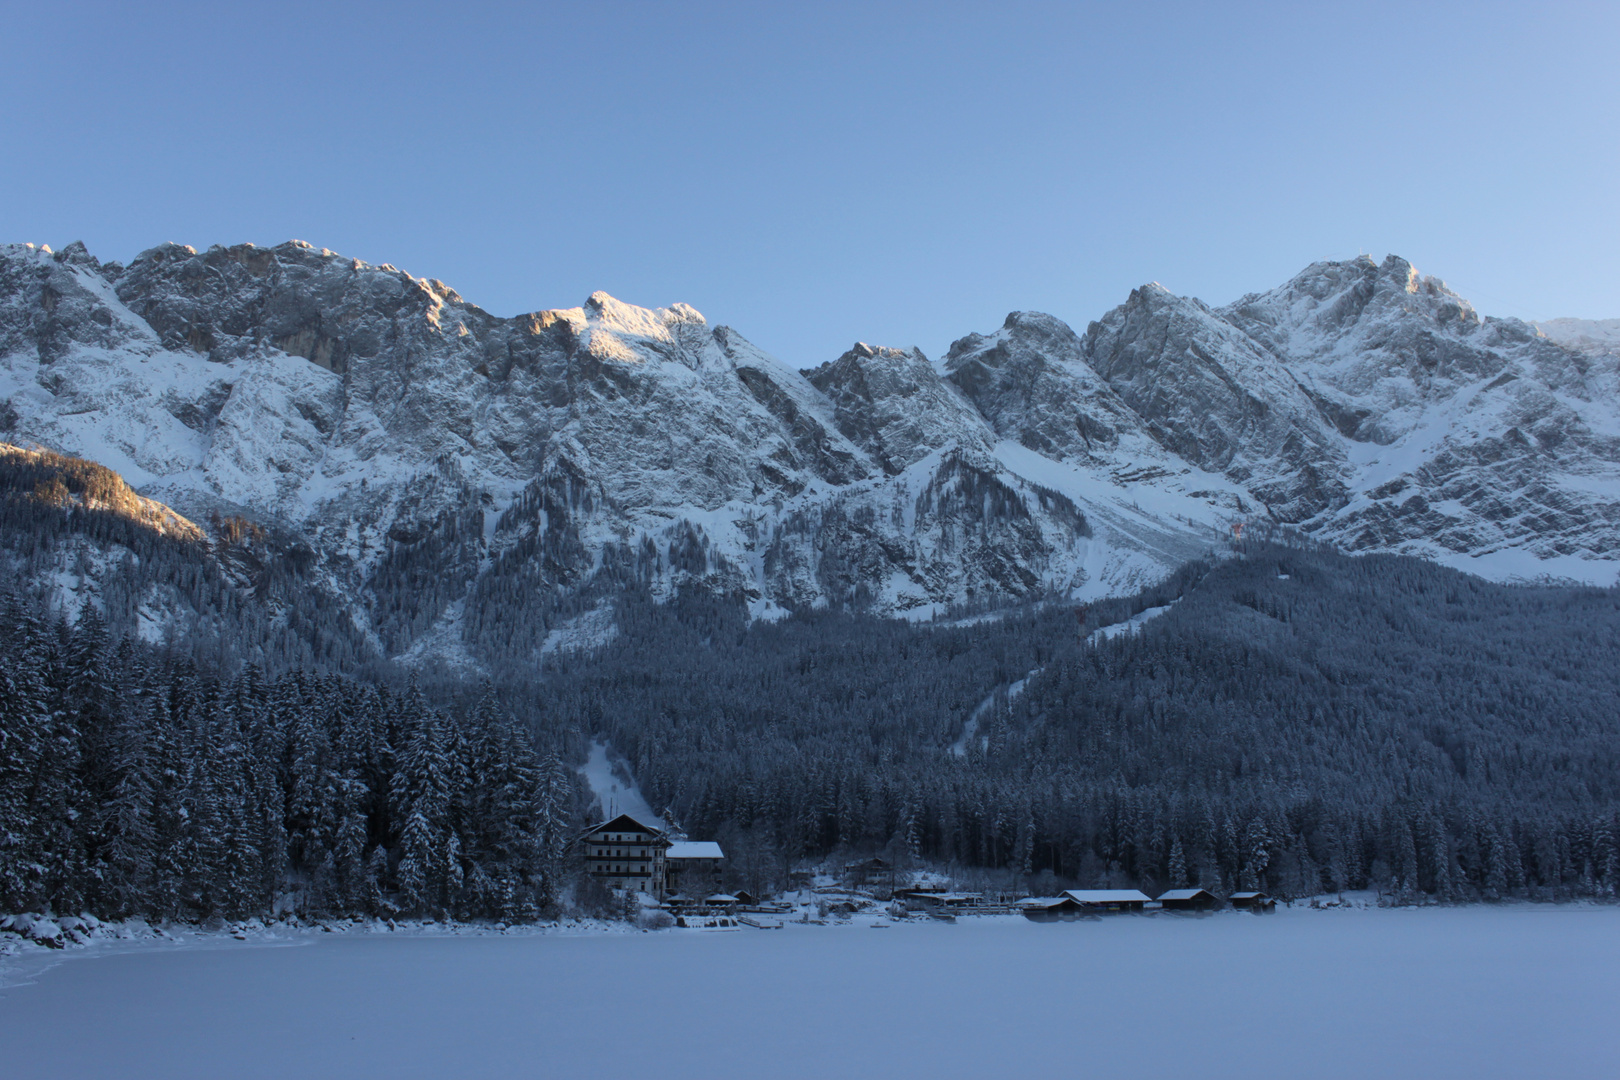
[320,583]
[473,490]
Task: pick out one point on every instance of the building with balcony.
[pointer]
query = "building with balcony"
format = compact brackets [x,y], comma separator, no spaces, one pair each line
[626,854]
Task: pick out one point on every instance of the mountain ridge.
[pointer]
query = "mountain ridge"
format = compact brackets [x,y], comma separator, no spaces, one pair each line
[403,432]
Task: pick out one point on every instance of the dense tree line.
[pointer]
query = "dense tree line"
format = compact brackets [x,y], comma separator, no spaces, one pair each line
[1299,721]
[133,783]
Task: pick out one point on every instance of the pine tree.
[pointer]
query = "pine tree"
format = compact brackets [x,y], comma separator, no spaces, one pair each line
[24,730]
[552,818]
[1256,853]
[1178,865]
[420,796]
[130,852]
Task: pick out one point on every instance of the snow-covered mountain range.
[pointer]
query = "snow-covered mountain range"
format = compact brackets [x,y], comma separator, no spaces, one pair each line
[404,434]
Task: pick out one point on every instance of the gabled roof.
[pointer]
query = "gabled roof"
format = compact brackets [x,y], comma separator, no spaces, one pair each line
[1107,896]
[623,823]
[694,849]
[1246,895]
[1047,902]
[1186,894]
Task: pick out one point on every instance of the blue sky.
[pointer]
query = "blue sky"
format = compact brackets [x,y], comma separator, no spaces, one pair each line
[820,173]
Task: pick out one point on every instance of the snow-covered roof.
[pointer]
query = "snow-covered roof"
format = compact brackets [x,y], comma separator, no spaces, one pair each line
[694,849]
[623,823]
[1044,901]
[1107,896]
[1246,895]
[1183,894]
[720,898]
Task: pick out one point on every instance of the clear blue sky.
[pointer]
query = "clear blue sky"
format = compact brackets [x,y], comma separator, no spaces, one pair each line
[813,174]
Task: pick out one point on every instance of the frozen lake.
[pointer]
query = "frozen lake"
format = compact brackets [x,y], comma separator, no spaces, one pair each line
[1474,992]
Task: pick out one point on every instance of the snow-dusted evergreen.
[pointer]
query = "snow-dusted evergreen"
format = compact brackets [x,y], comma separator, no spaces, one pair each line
[133,784]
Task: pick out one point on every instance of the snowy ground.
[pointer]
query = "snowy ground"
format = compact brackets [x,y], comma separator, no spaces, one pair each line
[608,781]
[1472,992]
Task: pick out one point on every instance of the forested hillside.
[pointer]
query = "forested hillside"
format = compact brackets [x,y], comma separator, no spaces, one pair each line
[1298,721]
[1292,719]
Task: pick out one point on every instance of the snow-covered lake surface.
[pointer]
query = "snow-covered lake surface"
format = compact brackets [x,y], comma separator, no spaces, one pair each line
[1473,992]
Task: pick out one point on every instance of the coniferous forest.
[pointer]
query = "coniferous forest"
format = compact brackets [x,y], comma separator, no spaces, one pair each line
[132,783]
[1297,721]
[1294,720]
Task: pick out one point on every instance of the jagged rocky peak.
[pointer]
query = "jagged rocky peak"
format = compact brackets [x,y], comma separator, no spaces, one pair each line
[52,302]
[609,329]
[893,404]
[1216,398]
[229,302]
[605,313]
[1378,306]
[1031,381]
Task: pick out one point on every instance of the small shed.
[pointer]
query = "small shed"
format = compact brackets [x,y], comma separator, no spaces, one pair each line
[720,900]
[1257,902]
[1108,899]
[1188,900]
[1051,909]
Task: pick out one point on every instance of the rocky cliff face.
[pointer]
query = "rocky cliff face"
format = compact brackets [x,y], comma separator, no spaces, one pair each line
[1480,441]
[443,463]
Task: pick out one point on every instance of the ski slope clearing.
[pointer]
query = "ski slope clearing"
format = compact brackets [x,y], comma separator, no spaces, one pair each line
[616,794]
[1129,626]
[1469,992]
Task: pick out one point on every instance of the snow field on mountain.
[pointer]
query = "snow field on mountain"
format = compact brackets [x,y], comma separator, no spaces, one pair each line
[1440,993]
[1134,623]
[615,794]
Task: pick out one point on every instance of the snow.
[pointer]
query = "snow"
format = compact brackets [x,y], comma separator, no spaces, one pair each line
[694,849]
[1518,566]
[1130,625]
[618,794]
[1106,896]
[444,643]
[585,632]
[1481,992]
[971,727]
[1588,335]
